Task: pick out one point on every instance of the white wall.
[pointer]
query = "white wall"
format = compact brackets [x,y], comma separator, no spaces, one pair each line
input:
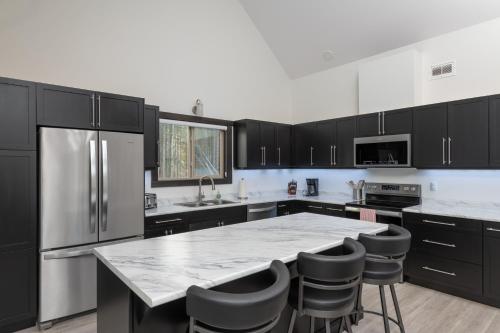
[169,51]
[334,93]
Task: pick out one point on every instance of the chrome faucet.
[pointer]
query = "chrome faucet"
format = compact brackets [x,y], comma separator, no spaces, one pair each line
[200,193]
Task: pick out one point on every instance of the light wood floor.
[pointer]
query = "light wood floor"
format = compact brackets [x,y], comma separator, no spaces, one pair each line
[423,310]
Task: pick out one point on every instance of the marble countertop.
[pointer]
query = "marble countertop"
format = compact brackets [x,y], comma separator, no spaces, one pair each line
[487,211]
[160,270]
[169,206]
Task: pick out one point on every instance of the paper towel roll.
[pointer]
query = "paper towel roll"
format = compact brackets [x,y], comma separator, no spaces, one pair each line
[242,193]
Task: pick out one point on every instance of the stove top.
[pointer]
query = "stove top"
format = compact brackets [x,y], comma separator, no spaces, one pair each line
[392,197]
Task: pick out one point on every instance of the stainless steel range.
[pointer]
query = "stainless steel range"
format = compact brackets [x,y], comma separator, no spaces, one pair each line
[388,200]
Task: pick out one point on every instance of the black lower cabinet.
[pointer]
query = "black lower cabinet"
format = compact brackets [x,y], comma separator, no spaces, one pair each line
[491,277]
[18,289]
[324,209]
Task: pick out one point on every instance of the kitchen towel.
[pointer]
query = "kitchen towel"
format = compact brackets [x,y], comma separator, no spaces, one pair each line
[369,215]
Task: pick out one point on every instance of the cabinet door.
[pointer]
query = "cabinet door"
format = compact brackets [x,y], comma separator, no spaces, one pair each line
[369,124]
[151,136]
[397,122]
[430,136]
[346,130]
[249,149]
[65,107]
[17,114]
[303,134]
[324,143]
[120,113]
[491,276]
[468,132]
[17,199]
[18,289]
[495,131]
[283,145]
[268,143]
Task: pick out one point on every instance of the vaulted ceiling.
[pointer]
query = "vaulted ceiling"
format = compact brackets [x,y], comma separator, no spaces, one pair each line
[308,36]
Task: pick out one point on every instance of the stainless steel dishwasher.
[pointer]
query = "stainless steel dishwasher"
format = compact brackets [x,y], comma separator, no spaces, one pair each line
[261,211]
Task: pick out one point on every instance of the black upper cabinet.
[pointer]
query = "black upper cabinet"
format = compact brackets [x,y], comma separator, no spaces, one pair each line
[495,131]
[369,124]
[65,107]
[325,143]
[151,138]
[304,139]
[283,145]
[397,122]
[468,133]
[76,108]
[346,131]
[261,145]
[120,113]
[17,114]
[430,135]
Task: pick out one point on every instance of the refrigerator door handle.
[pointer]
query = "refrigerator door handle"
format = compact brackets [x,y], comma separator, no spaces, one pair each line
[93,186]
[69,254]
[105,184]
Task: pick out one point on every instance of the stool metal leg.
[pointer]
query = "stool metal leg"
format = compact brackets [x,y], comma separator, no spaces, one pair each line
[341,326]
[312,324]
[348,324]
[327,326]
[384,309]
[396,306]
[359,306]
[191,325]
[292,321]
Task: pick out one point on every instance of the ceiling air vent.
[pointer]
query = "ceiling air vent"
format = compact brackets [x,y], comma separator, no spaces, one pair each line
[443,70]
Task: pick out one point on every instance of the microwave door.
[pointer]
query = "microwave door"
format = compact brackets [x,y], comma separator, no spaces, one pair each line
[121,213]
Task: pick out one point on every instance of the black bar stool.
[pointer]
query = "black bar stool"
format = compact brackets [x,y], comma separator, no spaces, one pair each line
[212,311]
[384,266]
[327,286]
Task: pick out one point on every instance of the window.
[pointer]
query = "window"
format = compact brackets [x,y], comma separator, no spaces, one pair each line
[189,150]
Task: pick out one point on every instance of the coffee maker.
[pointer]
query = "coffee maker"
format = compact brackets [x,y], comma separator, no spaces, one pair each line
[312,187]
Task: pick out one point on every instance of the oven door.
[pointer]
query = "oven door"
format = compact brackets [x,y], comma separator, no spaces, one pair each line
[388,151]
[383,216]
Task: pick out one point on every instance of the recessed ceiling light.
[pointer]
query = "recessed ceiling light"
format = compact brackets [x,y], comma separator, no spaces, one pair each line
[328,55]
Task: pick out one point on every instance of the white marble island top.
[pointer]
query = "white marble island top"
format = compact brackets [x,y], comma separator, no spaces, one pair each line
[160,270]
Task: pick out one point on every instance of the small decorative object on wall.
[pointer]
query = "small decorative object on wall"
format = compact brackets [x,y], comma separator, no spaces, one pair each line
[198,108]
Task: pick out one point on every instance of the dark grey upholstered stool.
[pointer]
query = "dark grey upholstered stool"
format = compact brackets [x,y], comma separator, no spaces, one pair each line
[327,286]
[213,311]
[384,266]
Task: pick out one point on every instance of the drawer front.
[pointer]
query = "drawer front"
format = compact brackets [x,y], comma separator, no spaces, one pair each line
[285,208]
[165,229]
[315,208]
[157,221]
[450,273]
[454,245]
[334,210]
[491,229]
[443,223]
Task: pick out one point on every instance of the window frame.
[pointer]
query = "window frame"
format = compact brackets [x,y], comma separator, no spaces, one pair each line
[228,150]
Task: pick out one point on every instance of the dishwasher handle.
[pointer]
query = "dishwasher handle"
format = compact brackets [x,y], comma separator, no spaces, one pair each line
[261,210]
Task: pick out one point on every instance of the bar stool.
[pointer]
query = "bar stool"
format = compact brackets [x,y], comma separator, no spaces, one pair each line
[327,286]
[384,266]
[212,311]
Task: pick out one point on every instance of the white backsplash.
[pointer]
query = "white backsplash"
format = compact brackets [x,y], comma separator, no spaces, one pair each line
[468,185]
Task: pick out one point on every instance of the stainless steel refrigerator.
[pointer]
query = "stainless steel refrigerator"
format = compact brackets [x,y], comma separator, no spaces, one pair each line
[91,194]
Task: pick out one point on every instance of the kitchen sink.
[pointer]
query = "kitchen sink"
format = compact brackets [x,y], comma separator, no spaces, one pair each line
[205,203]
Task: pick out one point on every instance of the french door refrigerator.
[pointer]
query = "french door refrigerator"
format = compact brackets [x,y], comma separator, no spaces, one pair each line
[91,194]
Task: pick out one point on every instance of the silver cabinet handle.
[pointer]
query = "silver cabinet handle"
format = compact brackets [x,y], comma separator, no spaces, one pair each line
[168,221]
[169,232]
[493,229]
[335,155]
[279,155]
[98,110]
[261,210]
[379,131]
[335,209]
[261,155]
[92,98]
[352,209]
[315,207]
[312,148]
[444,151]
[449,151]
[440,223]
[438,243]
[281,206]
[331,155]
[105,185]
[264,155]
[69,254]
[93,186]
[438,271]
[383,123]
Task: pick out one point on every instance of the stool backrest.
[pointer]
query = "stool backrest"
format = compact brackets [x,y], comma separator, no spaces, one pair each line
[246,311]
[395,243]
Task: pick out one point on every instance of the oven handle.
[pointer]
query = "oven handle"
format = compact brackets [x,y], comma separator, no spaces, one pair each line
[378,212]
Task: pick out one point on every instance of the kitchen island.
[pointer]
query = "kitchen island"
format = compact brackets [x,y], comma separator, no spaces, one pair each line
[142,285]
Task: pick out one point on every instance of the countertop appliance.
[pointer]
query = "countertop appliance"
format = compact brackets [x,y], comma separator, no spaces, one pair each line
[91,194]
[262,211]
[387,151]
[312,187]
[388,200]
[150,201]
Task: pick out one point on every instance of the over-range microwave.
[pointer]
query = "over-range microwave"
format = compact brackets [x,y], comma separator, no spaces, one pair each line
[387,151]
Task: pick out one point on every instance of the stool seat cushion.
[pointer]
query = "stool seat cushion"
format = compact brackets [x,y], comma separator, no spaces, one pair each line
[381,271]
[322,300]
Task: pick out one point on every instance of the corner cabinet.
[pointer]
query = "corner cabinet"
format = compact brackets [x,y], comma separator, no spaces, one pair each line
[59,106]
[151,136]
